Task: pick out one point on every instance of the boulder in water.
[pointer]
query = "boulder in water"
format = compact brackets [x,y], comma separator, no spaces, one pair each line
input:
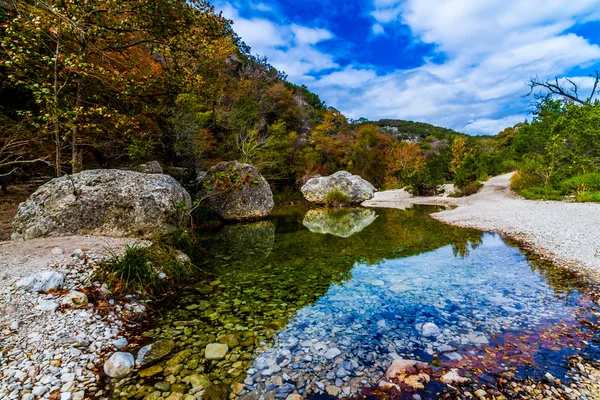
[237,192]
[355,188]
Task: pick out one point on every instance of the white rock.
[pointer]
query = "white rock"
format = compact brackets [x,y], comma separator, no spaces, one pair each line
[42,282]
[452,377]
[121,343]
[47,305]
[428,329]
[75,299]
[78,254]
[15,325]
[78,395]
[68,377]
[119,365]
[332,353]
[39,391]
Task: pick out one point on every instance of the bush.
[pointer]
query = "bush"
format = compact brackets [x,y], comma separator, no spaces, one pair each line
[467,174]
[336,198]
[581,183]
[522,180]
[147,270]
[467,190]
[588,197]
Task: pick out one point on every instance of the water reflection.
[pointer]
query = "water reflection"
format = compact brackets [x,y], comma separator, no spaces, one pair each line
[343,222]
[282,296]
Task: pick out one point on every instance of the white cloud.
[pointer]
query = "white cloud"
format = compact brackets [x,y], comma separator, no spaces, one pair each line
[261,7]
[490,48]
[305,35]
[378,29]
[492,126]
[289,48]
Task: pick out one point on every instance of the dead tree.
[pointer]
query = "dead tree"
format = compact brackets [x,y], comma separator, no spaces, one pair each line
[571,92]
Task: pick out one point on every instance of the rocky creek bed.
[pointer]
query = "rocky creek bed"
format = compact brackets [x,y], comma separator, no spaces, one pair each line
[283,312]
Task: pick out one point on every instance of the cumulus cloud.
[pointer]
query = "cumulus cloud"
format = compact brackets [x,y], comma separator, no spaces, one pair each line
[289,48]
[489,50]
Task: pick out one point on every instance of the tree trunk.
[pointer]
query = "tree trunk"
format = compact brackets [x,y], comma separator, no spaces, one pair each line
[77,148]
[57,145]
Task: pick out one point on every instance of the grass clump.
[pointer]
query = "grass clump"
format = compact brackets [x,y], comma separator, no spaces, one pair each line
[146,270]
[336,198]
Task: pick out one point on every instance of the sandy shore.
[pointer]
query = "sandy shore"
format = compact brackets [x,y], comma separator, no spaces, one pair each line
[568,234]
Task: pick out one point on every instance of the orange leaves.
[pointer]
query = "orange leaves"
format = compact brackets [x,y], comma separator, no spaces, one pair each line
[404,160]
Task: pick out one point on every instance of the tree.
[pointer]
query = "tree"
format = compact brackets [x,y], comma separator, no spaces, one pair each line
[404,160]
[570,92]
[459,151]
[99,69]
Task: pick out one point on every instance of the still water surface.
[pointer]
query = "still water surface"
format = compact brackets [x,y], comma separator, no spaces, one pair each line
[320,302]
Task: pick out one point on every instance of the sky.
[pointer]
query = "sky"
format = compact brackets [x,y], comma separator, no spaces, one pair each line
[461,64]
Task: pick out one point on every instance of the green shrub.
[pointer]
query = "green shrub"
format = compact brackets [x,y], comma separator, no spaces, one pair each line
[147,270]
[588,197]
[336,198]
[542,192]
[467,190]
[581,183]
[468,173]
[522,180]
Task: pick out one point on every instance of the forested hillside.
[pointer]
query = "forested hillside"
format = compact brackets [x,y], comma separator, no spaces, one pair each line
[104,84]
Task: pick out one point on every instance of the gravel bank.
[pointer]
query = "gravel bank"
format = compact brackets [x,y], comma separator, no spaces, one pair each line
[51,348]
[568,234]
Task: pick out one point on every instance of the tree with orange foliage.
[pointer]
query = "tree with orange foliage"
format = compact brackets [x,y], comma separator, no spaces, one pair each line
[404,160]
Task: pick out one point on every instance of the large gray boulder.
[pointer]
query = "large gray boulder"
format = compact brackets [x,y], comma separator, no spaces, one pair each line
[237,192]
[104,202]
[353,186]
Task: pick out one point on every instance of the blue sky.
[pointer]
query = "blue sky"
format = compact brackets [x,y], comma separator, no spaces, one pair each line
[462,64]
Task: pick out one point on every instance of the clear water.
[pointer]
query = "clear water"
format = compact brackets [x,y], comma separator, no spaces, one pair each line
[314,300]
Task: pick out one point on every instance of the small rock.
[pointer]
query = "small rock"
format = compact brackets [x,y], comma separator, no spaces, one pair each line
[42,282]
[119,365]
[154,352]
[150,371]
[452,376]
[332,390]
[332,353]
[78,253]
[120,343]
[215,351]
[428,329]
[75,299]
[47,305]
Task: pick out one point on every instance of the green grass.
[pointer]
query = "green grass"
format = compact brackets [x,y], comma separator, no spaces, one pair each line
[336,198]
[148,270]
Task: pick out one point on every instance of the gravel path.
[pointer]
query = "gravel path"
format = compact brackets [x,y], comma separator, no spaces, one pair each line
[19,259]
[566,233]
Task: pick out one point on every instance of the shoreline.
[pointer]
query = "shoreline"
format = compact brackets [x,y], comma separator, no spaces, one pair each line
[51,347]
[566,234]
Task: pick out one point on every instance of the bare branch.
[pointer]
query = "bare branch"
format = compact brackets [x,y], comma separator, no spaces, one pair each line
[556,88]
